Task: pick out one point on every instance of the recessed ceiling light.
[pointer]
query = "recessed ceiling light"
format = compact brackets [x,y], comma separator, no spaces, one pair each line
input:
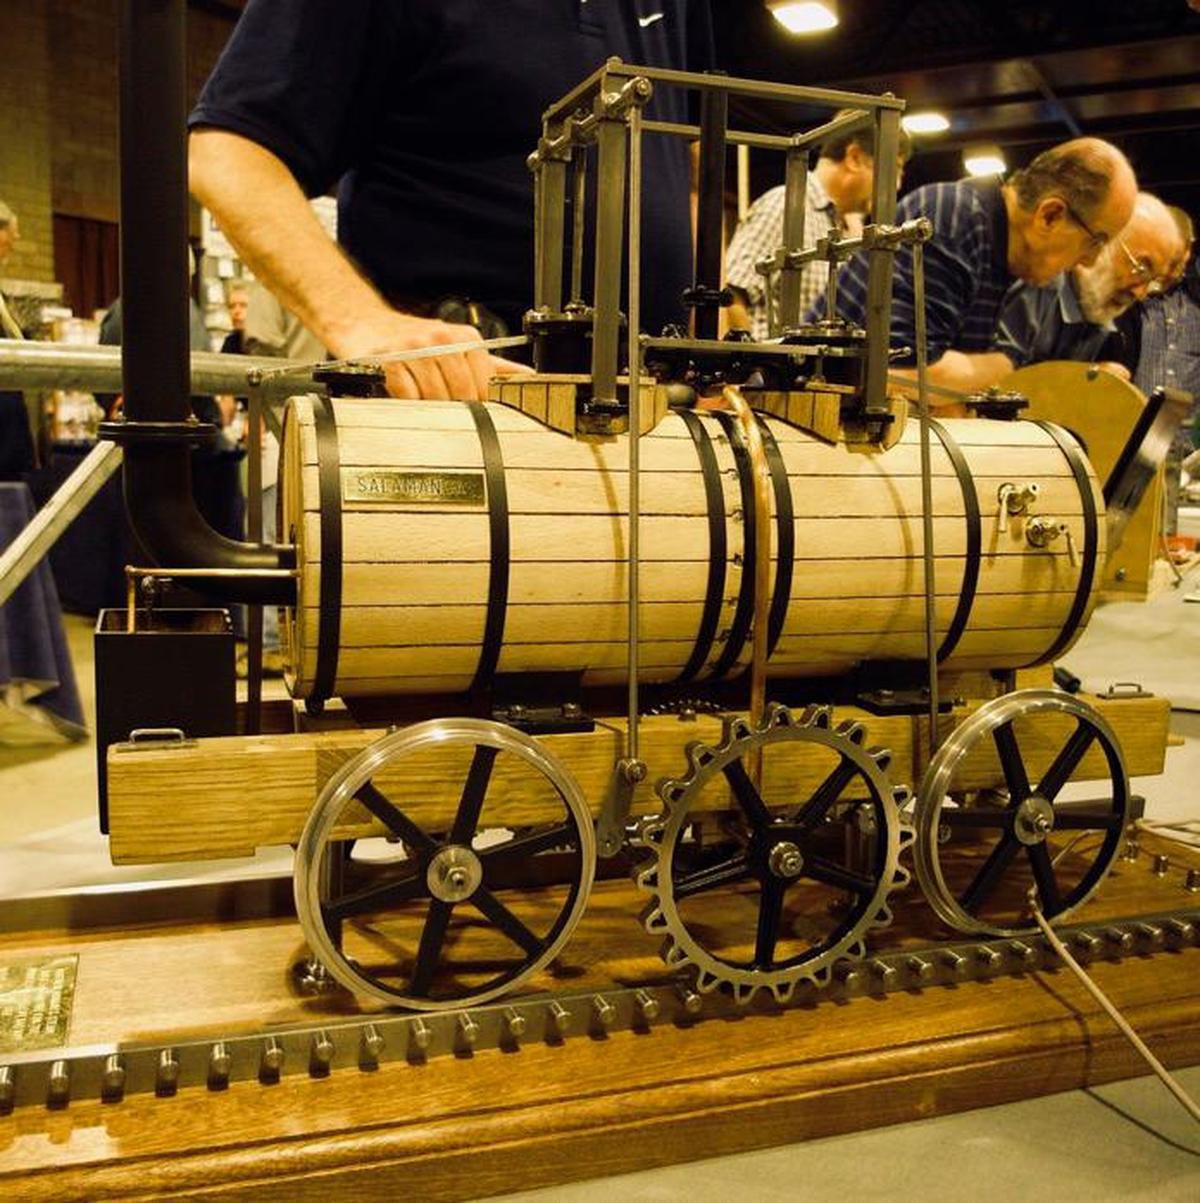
[804,16]
[926,123]
[984,160]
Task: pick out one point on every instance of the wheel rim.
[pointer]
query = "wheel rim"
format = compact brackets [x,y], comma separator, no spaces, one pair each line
[786,846]
[449,886]
[1025,828]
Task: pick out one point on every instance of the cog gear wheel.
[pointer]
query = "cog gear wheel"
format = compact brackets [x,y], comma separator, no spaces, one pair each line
[798,885]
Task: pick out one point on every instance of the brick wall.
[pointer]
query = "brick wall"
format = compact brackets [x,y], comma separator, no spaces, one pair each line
[58,96]
[25,141]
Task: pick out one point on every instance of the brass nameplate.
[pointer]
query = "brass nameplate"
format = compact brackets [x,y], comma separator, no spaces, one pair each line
[36,996]
[420,488]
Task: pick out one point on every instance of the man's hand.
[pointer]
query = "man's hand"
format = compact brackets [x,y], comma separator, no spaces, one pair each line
[1115,369]
[458,377]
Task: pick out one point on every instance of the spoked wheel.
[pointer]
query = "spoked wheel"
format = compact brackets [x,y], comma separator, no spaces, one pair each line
[805,876]
[979,864]
[451,917]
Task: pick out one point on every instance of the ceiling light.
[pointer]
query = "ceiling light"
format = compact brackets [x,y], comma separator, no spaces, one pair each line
[926,123]
[984,160]
[804,16]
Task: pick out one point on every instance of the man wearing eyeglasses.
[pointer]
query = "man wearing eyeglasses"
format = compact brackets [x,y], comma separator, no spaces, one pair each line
[1059,211]
[1073,317]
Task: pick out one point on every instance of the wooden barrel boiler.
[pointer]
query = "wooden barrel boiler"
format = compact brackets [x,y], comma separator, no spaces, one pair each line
[439,543]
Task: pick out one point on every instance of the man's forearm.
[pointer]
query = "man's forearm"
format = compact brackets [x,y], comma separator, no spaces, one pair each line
[963,371]
[266,216]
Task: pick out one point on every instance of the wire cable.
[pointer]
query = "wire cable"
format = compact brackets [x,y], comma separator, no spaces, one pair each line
[1184,1099]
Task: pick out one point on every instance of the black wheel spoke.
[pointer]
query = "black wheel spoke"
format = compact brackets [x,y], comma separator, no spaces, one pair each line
[1011,761]
[474,790]
[398,823]
[830,874]
[770,914]
[496,912]
[429,953]
[1043,874]
[723,873]
[522,846]
[745,791]
[376,897]
[1067,761]
[828,792]
[978,817]
[989,876]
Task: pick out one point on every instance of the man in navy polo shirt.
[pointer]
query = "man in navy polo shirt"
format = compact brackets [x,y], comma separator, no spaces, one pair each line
[424,114]
[1060,210]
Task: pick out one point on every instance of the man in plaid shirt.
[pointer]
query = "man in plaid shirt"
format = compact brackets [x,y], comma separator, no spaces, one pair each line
[839,186]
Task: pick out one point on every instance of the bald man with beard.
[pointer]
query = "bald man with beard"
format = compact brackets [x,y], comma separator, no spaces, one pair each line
[1073,317]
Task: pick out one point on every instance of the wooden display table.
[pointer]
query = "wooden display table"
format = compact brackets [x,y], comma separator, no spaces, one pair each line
[545,1111]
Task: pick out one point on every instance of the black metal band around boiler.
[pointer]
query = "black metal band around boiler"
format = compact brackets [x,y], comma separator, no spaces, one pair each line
[974,520]
[714,501]
[743,615]
[329,498]
[785,537]
[1091,541]
[497,499]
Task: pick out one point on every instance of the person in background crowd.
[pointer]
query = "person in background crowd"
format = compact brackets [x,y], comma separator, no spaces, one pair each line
[16,439]
[1164,341]
[237,302]
[839,187]
[1059,211]
[426,113]
[1073,317]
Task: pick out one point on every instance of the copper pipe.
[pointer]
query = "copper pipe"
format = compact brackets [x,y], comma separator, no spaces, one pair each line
[762,560]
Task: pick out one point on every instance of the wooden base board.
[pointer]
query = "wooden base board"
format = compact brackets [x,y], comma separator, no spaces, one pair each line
[462,1127]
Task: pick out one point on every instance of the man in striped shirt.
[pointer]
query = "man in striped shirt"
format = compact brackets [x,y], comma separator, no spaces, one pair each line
[840,186]
[1059,211]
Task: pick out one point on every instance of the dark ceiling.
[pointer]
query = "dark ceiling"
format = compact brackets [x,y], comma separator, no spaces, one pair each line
[1018,73]
[1022,73]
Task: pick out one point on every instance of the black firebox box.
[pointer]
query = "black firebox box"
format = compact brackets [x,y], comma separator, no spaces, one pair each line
[174,669]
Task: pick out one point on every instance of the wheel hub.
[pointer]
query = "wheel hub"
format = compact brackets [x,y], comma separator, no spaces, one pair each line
[1034,820]
[454,873]
[785,860]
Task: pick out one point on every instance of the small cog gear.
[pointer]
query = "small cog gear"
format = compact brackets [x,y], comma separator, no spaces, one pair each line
[794,887]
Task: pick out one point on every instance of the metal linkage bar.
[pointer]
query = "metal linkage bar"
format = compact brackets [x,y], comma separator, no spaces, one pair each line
[795,199]
[927,558]
[25,552]
[881,261]
[733,85]
[634,359]
[34,365]
[55,1077]
[737,137]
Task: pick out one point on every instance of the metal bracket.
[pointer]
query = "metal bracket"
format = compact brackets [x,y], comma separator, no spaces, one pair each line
[614,810]
[1121,690]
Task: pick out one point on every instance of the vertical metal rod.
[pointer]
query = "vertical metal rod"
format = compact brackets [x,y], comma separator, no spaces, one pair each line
[539,221]
[553,246]
[752,438]
[931,648]
[578,213]
[714,115]
[610,224]
[743,180]
[795,200]
[634,359]
[254,613]
[881,261]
